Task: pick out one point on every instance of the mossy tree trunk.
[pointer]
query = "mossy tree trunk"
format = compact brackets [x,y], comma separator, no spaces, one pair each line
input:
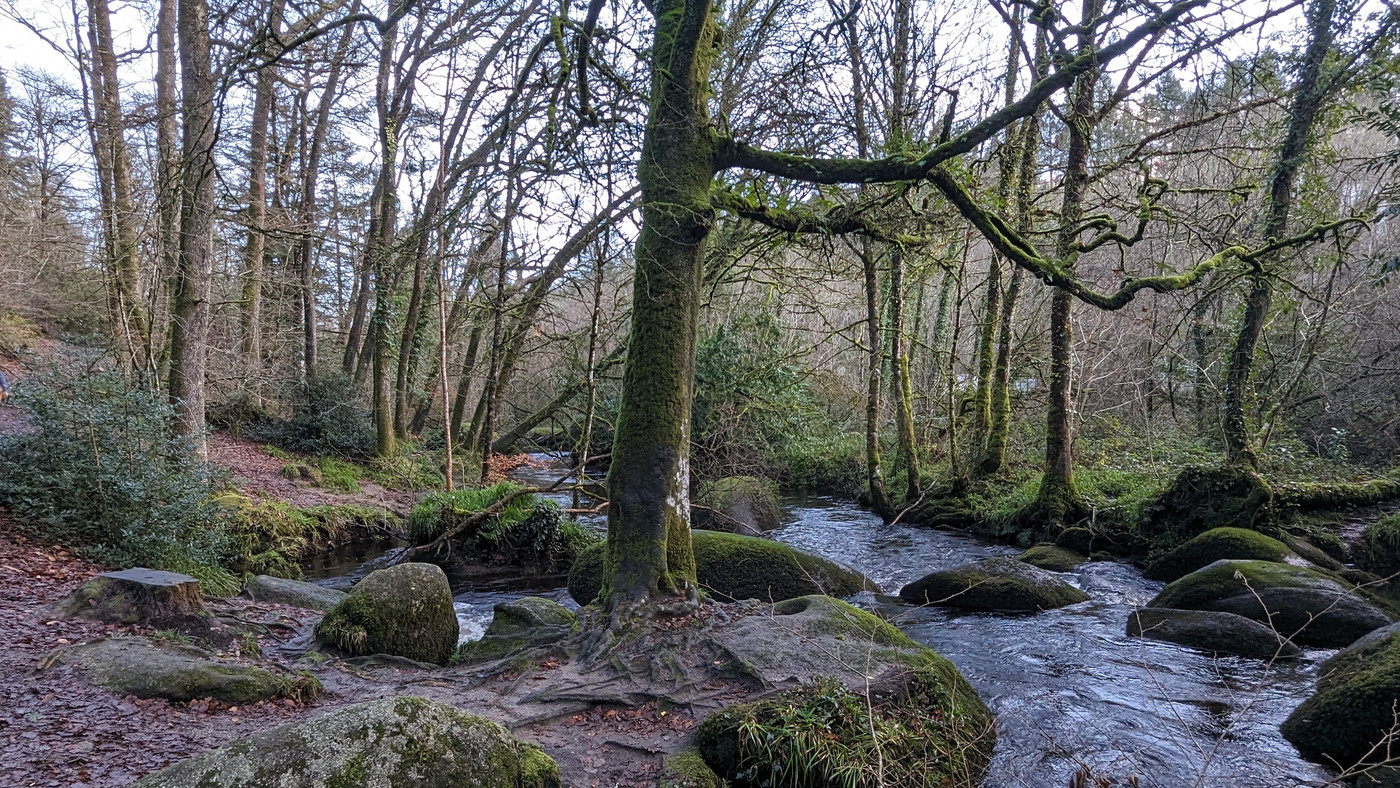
[1309,95]
[1057,502]
[649,554]
[255,245]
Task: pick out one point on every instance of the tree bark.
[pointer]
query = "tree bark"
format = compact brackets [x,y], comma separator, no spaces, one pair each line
[189,329]
[1308,98]
[255,247]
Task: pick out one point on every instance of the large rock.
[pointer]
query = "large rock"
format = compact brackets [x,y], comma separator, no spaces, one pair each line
[387,743]
[519,624]
[1215,545]
[405,610]
[145,597]
[1353,709]
[1004,584]
[934,730]
[737,504]
[149,669]
[309,596]
[1304,605]
[1052,558]
[730,567]
[1222,633]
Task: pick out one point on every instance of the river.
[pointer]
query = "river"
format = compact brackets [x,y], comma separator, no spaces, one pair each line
[1071,691]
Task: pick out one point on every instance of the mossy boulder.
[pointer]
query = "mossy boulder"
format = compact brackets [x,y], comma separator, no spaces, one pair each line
[1214,545]
[730,567]
[1221,633]
[687,769]
[403,741]
[737,504]
[1052,558]
[1353,709]
[1078,539]
[1305,605]
[405,610]
[309,596]
[517,625]
[925,726]
[154,669]
[1003,584]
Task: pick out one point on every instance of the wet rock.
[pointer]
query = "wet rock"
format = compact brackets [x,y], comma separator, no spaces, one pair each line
[517,625]
[1003,584]
[1305,605]
[309,596]
[932,729]
[1214,545]
[738,504]
[1052,558]
[1076,539]
[149,669]
[405,610]
[1353,709]
[402,741]
[145,597]
[730,566]
[1222,633]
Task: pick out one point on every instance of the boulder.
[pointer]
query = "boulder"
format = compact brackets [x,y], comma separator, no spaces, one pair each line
[737,504]
[405,610]
[730,566]
[309,596]
[1077,539]
[1052,558]
[1214,545]
[1305,605]
[1222,633]
[1003,584]
[148,598]
[687,769]
[151,669]
[1354,706]
[932,728]
[403,741]
[519,624]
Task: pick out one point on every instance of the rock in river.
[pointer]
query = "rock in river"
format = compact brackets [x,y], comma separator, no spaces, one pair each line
[405,610]
[1003,584]
[1222,633]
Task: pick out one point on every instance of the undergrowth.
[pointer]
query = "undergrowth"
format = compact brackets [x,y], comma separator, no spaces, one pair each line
[526,531]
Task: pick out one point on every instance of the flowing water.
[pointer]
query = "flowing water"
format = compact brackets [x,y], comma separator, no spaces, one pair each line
[1071,691]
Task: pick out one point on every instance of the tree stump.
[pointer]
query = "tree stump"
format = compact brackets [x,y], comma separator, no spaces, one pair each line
[145,597]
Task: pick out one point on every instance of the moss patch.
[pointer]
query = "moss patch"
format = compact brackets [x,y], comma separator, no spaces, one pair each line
[1212,546]
[993,584]
[526,532]
[687,769]
[730,567]
[1055,559]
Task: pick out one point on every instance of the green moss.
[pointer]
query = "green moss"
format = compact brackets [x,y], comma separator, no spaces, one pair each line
[537,770]
[730,566]
[1203,498]
[1380,547]
[272,537]
[526,531]
[1353,708]
[686,769]
[1055,559]
[1214,545]
[1229,578]
[926,726]
[338,474]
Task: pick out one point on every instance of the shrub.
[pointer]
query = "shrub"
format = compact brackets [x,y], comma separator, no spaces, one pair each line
[104,472]
[327,419]
[1380,549]
[273,537]
[525,532]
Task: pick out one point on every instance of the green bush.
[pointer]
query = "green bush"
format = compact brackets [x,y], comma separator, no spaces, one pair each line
[104,473]
[525,532]
[327,419]
[1380,549]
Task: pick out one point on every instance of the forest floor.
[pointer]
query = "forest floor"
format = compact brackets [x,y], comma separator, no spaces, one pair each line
[257,473]
[57,730]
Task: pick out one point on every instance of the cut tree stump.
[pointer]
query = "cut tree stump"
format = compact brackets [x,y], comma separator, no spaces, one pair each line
[145,597]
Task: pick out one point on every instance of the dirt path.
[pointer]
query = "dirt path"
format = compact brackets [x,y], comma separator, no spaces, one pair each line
[257,473]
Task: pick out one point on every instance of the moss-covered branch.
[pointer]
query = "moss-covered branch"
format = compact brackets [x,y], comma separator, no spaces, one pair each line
[733,153]
[844,219]
[1058,274]
[1324,495]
